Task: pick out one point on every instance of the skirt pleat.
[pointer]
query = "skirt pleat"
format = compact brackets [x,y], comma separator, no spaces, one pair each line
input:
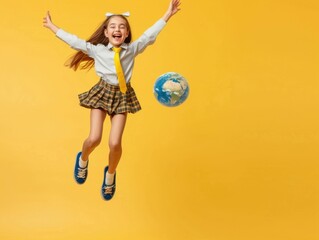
[109,98]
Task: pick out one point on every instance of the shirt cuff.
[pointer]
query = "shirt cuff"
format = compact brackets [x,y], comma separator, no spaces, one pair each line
[161,23]
[60,33]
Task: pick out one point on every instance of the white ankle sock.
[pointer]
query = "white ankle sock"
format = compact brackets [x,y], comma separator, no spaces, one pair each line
[109,178]
[82,163]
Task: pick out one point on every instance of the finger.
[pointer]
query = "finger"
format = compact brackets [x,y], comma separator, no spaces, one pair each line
[177,5]
[49,15]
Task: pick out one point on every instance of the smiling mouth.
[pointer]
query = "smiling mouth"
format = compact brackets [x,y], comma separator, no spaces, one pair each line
[117,36]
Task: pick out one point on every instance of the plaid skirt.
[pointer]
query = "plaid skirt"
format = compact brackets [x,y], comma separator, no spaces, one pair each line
[109,98]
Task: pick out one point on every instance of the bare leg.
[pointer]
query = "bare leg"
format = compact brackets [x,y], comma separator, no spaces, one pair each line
[96,128]
[115,141]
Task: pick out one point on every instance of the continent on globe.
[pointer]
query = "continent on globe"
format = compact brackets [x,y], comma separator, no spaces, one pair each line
[172,86]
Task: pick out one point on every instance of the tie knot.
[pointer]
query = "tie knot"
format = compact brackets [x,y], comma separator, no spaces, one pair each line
[117,49]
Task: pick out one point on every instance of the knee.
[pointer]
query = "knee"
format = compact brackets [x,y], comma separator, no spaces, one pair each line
[115,146]
[93,141]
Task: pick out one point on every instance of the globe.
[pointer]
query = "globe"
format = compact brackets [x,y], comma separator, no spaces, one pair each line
[171,89]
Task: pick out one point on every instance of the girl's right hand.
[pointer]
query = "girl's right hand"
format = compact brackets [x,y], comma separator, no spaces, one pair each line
[47,22]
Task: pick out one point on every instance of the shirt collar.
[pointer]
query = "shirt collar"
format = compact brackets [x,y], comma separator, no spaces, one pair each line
[123,46]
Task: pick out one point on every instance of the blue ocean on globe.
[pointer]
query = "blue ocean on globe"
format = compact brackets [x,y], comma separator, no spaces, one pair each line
[171,89]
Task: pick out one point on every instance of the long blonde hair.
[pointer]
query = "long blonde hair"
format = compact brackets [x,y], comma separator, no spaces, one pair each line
[81,60]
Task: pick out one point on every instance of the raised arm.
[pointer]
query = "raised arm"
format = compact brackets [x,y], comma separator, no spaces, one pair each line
[72,40]
[173,8]
[47,22]
[150,34]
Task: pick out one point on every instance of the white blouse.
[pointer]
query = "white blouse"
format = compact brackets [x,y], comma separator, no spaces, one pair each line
[104,56]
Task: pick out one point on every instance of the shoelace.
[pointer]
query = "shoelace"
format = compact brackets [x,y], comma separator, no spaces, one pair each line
[81,172]
[108,189]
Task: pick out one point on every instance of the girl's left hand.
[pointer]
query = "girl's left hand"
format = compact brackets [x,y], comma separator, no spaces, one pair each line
[173,8]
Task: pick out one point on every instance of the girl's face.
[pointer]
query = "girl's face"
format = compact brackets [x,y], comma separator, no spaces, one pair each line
[116,31]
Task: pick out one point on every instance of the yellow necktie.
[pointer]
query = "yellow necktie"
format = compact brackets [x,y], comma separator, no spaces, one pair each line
[119,70]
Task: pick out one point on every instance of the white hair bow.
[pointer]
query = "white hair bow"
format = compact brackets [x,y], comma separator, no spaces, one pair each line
[125,14]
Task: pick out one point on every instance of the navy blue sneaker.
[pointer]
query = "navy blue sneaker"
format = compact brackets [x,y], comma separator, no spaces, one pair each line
[108,191]
[80,174]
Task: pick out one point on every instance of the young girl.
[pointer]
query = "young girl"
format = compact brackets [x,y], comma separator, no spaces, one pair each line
[111,52]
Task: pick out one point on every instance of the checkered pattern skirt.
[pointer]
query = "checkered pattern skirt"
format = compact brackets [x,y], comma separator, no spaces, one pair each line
[109,97]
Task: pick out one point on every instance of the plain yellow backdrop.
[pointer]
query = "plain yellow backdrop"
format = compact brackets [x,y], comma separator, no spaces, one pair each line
[237,161]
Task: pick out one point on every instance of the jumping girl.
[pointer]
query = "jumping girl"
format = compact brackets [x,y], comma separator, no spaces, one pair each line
[112,54]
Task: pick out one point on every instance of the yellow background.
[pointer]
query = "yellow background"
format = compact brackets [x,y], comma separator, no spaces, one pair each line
[237,161]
